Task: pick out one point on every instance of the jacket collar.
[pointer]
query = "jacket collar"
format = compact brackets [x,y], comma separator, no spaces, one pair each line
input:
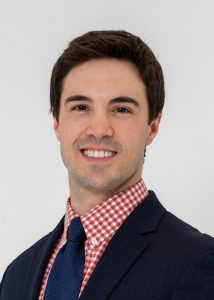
[128,243]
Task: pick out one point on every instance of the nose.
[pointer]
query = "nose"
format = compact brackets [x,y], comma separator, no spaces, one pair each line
[100,126]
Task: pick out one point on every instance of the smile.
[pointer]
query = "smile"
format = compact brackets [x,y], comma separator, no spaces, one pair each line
[98,153]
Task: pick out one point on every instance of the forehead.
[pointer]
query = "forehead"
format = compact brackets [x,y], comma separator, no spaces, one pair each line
[104,75]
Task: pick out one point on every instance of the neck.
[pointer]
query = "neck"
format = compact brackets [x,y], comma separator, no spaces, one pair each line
[84,198]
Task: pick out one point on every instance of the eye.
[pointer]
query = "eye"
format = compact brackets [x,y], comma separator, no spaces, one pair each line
[80,107]
[122,110]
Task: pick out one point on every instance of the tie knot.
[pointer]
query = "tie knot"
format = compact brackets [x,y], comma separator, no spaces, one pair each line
[76,231]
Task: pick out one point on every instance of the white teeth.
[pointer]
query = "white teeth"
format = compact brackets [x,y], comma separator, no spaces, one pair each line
[96,153]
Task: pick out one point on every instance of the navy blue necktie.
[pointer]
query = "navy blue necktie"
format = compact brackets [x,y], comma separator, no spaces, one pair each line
[66,275]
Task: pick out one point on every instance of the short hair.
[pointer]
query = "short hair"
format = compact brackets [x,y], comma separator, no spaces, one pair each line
[117,44]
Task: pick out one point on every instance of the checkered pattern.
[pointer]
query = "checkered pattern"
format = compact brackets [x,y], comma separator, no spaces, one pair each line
[100,224]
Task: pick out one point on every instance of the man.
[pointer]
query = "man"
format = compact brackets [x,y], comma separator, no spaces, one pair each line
[116,241]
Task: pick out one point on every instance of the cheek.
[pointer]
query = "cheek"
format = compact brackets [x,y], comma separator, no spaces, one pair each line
[136,143]
[131,137]
[66,131]
[65,141]
[137,147]
[134,146]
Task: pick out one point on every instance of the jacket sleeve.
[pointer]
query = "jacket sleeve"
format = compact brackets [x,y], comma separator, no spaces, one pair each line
[1,283]
[198,281]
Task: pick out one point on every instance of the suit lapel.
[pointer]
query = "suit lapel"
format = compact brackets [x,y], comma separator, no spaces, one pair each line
[38,263]
[128,243]
[124,249]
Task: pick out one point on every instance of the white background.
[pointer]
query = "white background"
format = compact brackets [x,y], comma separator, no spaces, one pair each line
[179,164]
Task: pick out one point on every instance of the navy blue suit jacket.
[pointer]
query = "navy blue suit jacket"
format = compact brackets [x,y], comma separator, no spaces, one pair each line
[153,256]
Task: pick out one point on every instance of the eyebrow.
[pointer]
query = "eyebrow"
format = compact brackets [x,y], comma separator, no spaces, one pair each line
[77,98]
[121,99]
[125,99]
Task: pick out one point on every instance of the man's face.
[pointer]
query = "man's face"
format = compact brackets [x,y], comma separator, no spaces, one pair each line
[103,125]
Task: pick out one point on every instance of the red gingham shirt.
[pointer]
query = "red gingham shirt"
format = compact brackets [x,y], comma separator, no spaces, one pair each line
[100,223]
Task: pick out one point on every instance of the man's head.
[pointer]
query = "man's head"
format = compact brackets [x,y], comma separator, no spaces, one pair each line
[111,44]
[107,94]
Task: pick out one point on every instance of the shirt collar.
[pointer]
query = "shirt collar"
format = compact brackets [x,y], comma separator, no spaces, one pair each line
[101,222]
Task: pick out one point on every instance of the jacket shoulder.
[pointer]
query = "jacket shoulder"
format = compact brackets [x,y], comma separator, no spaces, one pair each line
[28,268]
[184,234]
[29,252]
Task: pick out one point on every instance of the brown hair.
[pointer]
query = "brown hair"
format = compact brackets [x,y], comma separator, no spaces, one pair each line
[113,44]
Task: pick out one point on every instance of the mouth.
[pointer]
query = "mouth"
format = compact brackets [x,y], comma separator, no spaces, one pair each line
[104,154]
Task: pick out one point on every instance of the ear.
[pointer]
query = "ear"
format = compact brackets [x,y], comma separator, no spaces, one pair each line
[153,129]
[56,127]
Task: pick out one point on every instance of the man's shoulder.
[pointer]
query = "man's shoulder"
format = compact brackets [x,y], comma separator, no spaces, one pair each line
[191,253]
[16,272]
[185,233]
[29,265]
[26,256]
[183,239]
[174,233]
[35,252]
